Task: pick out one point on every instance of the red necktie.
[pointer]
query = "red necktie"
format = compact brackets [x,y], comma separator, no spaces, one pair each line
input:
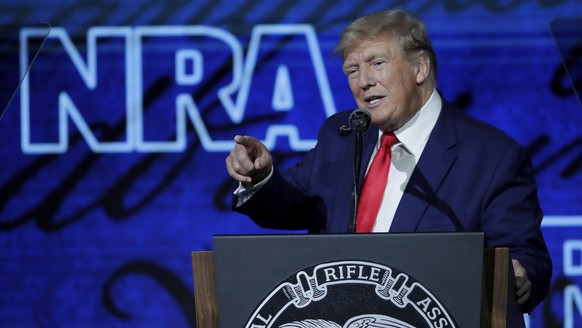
[374,185]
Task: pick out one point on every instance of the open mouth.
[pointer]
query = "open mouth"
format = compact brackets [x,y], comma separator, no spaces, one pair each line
[373,100]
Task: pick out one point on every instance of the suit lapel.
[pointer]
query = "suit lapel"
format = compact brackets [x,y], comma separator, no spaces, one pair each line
[435,162]
[370,139]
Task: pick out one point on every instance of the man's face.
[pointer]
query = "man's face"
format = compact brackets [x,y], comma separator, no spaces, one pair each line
[385,82]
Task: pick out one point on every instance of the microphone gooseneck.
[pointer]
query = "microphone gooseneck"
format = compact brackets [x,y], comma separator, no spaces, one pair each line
[359,121]
[355,180]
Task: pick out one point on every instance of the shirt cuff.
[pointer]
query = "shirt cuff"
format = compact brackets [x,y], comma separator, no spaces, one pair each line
[244,194]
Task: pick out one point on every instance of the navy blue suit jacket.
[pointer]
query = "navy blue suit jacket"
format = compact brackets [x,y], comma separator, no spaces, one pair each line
[470,177]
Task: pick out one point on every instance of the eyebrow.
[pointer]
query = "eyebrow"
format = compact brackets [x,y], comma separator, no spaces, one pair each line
[370,57]
[373,56]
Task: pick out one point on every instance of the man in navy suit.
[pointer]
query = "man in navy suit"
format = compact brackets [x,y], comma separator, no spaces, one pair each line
[448,171]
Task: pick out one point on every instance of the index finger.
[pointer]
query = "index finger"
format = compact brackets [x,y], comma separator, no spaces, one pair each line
[245,141]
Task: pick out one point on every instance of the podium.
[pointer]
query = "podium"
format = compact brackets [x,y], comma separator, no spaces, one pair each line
[487,297]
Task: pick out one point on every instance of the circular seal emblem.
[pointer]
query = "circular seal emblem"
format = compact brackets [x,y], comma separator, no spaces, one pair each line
[350,294]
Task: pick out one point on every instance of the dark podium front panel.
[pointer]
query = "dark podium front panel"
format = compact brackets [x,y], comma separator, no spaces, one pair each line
[351,280]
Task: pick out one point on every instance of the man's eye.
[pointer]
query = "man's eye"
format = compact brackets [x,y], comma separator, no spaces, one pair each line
[352,72]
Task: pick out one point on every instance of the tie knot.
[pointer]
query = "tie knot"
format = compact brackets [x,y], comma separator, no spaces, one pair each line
[388,140]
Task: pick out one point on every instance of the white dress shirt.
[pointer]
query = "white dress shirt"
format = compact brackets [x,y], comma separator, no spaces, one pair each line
[412,138]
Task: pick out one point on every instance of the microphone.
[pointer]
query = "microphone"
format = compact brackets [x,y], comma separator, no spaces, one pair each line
[359,122]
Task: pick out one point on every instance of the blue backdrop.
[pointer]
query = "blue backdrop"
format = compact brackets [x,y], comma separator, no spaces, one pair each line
[112,150]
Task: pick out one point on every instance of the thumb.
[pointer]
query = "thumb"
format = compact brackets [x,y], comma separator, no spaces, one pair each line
[260,163]
[518,269]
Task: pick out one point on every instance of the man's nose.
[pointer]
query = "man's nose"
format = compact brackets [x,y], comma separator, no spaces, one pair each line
[366,79]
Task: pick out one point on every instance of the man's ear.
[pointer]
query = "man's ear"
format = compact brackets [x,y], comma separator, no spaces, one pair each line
[422,67]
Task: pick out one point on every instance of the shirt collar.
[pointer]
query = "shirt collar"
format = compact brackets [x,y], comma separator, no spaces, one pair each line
[414,134]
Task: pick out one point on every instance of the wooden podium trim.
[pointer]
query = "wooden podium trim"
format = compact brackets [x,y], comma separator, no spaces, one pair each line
[206,304]
[496,286]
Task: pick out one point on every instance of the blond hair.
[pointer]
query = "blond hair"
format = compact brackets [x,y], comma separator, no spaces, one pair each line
[410,30]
